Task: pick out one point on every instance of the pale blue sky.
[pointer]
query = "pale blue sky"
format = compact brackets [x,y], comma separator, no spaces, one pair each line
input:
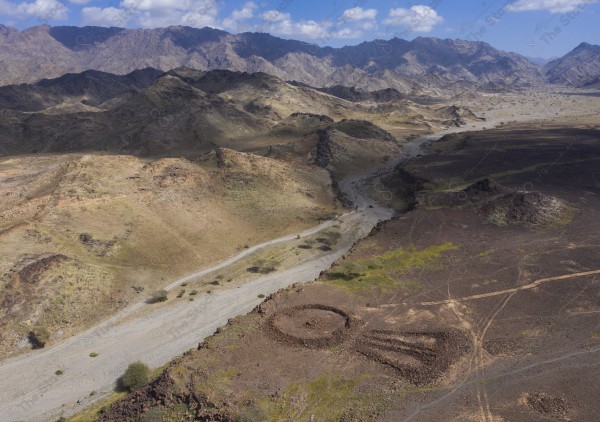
[536,28]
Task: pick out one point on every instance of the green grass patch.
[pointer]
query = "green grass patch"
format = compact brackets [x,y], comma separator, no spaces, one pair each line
[217,385]
[91,413]
[487,253]
[385,271]
[328,398]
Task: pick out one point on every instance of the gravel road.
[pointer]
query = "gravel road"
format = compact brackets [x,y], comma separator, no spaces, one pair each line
[30,390]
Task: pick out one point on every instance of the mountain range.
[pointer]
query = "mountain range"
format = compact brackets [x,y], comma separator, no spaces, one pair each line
[408,66]
[190,111]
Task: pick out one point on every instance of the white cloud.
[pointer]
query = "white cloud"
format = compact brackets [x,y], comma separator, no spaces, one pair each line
[42,9]
[279,23]
[276,16]
[109,16]
[417,18]
[553,6]
[358,14]
[363,18]
[161,13]
[79,1]
[238,16]
[149,5]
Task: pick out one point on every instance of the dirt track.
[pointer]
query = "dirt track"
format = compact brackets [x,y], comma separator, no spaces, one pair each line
[33,392]
[531,285]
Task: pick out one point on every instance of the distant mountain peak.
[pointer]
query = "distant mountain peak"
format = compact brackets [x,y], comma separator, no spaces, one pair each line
[584,45]
[580,67]
[369,65]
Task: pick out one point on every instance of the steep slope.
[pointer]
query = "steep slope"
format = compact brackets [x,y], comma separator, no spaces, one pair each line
[168,117]
[580,67]
[45,51]
[110,229]
[185,112]
[89,88]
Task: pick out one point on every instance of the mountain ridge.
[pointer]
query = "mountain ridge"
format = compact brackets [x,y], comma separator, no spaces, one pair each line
[580,67]
[44,51]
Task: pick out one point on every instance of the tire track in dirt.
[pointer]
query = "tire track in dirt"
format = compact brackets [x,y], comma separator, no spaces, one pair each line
[529,286]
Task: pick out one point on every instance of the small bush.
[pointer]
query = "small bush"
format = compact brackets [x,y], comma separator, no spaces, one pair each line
[191,299]
[305,246]
[181,293]
[215,282]
[261,270]
[93,354]
[159,296]
[183,284]
[59,372]
[38,337]
[261,296]
[193,292]
[136,375]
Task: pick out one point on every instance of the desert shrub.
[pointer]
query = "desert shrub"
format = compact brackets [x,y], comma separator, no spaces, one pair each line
[159,296]
[215,282]
[38,337]
[261,270]
[193,292]
[93,354]
[260,296]
[59,372]
[305,246]
[181,293]
[263,267]
[136,375]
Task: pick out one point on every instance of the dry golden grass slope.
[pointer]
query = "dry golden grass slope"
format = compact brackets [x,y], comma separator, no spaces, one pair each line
[83,236]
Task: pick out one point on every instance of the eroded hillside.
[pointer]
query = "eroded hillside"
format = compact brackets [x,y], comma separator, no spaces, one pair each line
[83,236]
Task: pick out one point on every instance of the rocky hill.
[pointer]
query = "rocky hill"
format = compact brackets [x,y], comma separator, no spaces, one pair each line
[580,67]
[90,88]
[186,111]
